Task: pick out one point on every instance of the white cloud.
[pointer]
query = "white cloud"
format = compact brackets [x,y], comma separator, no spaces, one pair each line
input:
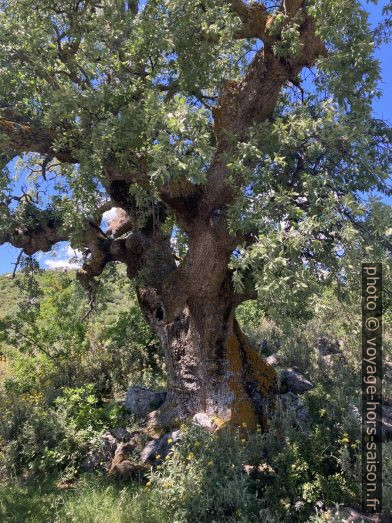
[61,264]
[64,258]
[74,253]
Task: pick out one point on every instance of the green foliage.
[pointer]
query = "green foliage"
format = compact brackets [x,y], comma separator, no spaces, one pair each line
[53,439]
[249,314]
[49,338]
[47,427]
[93,499]
[83,408]
[101,500]
[8,295]
[293,472]
[314,228]
[32,503]
[52,414]
[204,479]
[351,71]
[100,77]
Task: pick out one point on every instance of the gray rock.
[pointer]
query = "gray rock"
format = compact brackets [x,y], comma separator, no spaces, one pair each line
[157,449]
[294,403]
[121,434]
[203,420]
[349,515]
[388,370]
[101,458]
[140,401]
[293,381]
[272,360]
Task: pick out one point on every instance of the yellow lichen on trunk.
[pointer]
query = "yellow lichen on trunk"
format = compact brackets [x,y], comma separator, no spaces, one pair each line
[246,365]
[242,410]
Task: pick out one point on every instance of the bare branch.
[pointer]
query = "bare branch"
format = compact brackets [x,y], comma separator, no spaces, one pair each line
[16,264]
[133,6]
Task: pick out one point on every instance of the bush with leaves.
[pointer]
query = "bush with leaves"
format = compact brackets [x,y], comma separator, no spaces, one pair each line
[110,344]
[65,371]
[282,475]
[54,439]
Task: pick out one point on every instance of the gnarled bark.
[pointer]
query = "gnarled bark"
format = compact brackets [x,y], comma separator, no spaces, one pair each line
[211,365]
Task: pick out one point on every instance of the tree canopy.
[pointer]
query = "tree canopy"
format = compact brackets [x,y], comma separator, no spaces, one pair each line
[257,116]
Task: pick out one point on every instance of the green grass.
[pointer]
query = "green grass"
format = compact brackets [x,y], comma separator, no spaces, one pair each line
[93,500]
[33,503]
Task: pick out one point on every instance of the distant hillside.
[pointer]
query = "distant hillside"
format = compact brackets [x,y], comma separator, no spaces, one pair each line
[118,294]
[9,294]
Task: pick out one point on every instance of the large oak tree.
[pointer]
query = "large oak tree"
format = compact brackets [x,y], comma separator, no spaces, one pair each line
[235,140]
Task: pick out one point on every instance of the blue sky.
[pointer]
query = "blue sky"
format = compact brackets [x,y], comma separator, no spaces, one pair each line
[63,255]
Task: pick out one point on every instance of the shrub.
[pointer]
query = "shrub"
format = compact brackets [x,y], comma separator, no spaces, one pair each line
[56,439]
[282,475]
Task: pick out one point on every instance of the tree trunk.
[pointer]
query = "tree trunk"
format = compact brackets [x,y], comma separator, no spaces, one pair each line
[211,366]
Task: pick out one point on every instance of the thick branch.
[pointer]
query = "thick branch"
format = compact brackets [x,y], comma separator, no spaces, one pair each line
[183,198]
[253,99]
[254,17]
[245,103]
[44,230]
[18,137]
[97,255]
